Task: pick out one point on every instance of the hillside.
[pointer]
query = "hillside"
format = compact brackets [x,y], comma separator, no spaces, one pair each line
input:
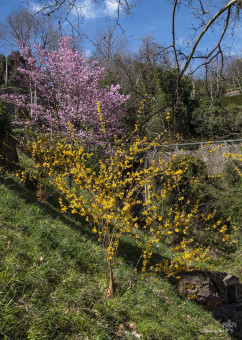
[53,286]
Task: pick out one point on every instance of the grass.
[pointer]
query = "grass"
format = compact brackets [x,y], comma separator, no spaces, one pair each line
[230,204]
[235,100]
[53,283]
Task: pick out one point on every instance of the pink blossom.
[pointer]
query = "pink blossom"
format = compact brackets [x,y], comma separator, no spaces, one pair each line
[64,88]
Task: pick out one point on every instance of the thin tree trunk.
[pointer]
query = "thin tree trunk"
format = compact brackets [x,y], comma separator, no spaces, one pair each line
[6,72]
[193,89]
[211,90]
[35,96]
[112,284]
[31,98]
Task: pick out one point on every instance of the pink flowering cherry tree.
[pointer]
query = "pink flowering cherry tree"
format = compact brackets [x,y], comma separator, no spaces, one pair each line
[64,88]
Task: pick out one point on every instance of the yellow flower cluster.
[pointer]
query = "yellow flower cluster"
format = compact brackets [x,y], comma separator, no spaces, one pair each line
[122,198]
[236,157]
[168,116]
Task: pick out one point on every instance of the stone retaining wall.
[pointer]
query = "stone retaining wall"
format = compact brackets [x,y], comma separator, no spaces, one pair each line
[211,154]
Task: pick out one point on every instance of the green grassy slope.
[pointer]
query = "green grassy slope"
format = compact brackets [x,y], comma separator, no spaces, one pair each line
[235,100]
[52,282]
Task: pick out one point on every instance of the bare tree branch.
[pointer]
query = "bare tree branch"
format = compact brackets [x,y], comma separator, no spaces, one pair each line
[21,25]
[52,7]
[218,46]
[174,36]
[211,21]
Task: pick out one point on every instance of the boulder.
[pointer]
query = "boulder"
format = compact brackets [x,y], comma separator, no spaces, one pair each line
[232,284]
[205,288]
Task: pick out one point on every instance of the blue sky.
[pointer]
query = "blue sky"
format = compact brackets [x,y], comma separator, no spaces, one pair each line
[149,17]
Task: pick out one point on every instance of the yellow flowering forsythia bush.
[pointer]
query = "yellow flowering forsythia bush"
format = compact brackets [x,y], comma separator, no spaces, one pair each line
[120,197]
[236,157]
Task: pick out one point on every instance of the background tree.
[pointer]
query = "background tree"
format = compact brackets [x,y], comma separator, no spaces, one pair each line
[215,81]
[8,69]
[234,73]
[138,75]
[66,90]
[22,25]
[15,79]
[2,69]
[185,57]
[208,15]
[107,44]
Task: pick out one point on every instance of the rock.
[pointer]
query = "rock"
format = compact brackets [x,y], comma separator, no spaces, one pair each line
[216,292]
[231,283]
[203,287]
[233,92]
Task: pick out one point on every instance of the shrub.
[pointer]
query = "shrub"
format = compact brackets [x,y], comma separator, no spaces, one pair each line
[213,122]
[230,172]
[4,123]
[8,152]
[109,196]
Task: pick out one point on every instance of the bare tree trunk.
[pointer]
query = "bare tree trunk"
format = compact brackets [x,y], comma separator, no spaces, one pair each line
[6,72]
[211,90]
[35,96]
[193,89]
[31,98]
[112,284]
[217,78]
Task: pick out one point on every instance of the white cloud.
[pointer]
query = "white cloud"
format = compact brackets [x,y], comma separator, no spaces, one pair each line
[111,7]
[88,53]
[34,7]
[91,10]
[87,9]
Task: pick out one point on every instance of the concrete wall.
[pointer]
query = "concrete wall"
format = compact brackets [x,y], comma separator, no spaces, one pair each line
[211,154]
